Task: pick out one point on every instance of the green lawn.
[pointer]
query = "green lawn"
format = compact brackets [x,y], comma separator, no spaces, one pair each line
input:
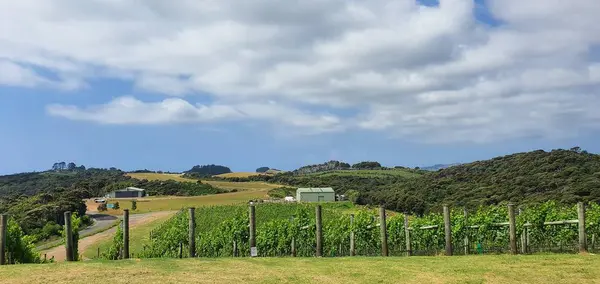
[458,269]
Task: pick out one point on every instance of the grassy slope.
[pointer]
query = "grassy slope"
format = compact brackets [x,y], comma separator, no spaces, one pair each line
[238,174]
[470,269]
[153,204]
[138,236]
[254,186]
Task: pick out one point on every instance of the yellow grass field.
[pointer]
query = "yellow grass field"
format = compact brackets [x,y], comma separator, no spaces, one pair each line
[238,174]
[535,269]
[251,186]
[168,203]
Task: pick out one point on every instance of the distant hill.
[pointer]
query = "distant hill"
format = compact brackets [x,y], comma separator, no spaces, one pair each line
[438,167]
[565,176]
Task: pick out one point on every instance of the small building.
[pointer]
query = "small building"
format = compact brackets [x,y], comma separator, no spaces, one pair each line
[325,194]
[128,192]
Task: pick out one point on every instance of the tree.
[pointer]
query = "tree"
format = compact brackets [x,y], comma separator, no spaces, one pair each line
[367,165]
[262,169]
[62,166]
[209,170]
[133,205]
[71,166]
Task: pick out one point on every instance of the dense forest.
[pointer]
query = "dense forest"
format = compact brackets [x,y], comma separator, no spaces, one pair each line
[566,176]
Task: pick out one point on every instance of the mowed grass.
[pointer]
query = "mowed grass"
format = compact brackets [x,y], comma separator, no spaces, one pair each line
[370,173]
[153,204]
[250,186]
[458,269]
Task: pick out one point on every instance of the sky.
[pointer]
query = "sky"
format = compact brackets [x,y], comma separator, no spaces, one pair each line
[165,85]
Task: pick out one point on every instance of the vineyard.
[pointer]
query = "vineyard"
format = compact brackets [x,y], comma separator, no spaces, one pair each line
[290,230]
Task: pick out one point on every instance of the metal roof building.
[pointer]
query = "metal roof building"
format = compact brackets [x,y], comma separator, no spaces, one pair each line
[314,194]
[128,192]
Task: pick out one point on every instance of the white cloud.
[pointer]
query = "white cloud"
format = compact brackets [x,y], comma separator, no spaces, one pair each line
[424,73]
[13,74]
[128,110]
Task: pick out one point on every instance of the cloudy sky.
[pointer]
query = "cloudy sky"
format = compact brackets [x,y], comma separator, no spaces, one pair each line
[169,84]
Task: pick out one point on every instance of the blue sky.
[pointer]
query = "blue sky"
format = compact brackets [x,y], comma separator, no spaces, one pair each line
[166,87]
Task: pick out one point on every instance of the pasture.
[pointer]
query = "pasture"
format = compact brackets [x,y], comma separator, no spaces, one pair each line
[463,269]
[238,175]
[169,203]
[240,186]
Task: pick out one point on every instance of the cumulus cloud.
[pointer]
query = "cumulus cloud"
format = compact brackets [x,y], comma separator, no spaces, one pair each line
[433,73]
[128,110]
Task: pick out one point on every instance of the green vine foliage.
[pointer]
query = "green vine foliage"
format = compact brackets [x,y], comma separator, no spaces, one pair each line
[222,231]
[114,251]
[20,245]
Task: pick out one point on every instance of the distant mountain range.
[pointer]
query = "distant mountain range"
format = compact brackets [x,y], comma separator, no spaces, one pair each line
[439,167]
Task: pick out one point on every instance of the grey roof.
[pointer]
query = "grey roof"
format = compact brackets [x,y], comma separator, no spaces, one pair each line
[316,189]
[131,188]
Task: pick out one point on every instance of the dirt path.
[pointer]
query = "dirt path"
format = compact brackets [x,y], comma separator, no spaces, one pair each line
[135,220]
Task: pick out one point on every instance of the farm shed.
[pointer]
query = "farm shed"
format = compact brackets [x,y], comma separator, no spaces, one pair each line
[315,194]
[127,193]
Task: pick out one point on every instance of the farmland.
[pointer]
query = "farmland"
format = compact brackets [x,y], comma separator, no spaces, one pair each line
[250,186]
[238,174]
[153,204]
[283,226]
[464,269]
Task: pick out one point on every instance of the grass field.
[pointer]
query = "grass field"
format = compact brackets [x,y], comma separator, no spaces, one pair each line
[238,174]
[370,173]
[251,186]
[153,204]
[465,269]
[138,236]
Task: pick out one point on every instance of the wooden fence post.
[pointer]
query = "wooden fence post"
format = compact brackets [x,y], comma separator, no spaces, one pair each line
[98,255]
[192,232]
[235,249]
[352,245]
[512,228]
[319,232]
[180,250]
[581,217]
[252,230]
[125,233]
[523,237]
[3,233]
[293,239]
[407,235]
[466,240]
[383,230]
[448,231]
[68,236]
